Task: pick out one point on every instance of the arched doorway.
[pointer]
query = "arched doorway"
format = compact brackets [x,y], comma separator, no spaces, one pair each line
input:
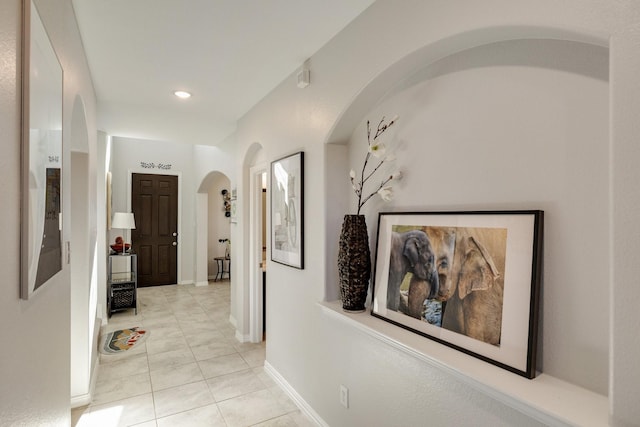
[252,291]
[213,224]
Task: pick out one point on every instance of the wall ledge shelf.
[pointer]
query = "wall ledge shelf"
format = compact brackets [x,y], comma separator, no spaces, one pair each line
[547,399]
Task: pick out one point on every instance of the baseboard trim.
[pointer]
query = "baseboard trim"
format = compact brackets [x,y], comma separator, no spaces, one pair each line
[304,407]
[82,400]
[186,282]
[85,399]
[242,338]
[203,283]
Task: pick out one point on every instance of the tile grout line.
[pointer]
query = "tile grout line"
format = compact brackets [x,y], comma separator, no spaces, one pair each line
[179,300]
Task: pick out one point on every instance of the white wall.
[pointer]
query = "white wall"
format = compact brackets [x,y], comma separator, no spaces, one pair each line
[192,164]
[35,368]
[126,157]
[584,180]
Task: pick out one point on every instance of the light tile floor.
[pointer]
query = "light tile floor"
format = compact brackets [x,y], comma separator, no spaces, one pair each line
[190,371]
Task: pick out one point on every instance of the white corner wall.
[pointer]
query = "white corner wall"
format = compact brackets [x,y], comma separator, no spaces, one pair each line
[35,368]
[128,156]
[585,180]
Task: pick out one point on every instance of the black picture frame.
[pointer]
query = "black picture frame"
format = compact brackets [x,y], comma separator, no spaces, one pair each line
[287,210]
[469,280]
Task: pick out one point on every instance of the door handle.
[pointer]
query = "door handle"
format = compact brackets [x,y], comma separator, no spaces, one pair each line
[175,243]
[175,234]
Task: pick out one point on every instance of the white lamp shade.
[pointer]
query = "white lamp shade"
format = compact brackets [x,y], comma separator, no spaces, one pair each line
[123,220]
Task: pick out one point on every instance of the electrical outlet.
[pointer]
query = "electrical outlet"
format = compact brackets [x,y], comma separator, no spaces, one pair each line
[344,396]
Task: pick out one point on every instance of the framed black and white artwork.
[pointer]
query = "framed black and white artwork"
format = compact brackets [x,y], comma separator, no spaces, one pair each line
[287,210]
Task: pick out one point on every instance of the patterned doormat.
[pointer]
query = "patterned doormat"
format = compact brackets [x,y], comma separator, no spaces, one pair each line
[122,340]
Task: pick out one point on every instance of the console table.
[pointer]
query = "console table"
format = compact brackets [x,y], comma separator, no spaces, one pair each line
[122,286]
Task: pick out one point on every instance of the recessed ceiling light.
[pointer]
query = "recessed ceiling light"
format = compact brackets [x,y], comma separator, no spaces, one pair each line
[182,94]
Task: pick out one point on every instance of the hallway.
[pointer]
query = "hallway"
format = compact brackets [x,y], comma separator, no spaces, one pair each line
[190,371]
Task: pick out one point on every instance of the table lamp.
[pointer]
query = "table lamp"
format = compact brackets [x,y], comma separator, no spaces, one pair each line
[125,221]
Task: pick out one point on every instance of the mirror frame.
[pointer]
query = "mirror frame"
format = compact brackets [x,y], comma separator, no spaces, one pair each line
[41,248]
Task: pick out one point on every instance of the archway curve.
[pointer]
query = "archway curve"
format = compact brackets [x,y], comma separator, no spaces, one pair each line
[392,76]
[208,179]
[203,219]
[404,70]
[409,69]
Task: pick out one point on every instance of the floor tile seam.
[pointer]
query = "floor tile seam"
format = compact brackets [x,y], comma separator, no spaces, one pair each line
[270,419]
[283,411]
[179,385]
[192,409]
[214,357]
[91,409]
[236,396]
[253,348]
[125,376]
[234,373]
[218,356]
[155,410]
[213,401]
[94,404]
[186,362]
[191,335]
[226,422]
[281,392]
[153,397]
[217,375]
[113,362]
[206,379]
[101,381]
[248,362]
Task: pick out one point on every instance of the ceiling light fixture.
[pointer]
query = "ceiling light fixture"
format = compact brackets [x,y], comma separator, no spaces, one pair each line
[182,94]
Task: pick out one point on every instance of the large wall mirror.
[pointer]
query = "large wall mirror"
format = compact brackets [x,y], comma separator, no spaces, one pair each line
[41,233]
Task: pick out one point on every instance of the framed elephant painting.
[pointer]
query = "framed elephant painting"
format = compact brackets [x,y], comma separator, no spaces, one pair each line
[469,280]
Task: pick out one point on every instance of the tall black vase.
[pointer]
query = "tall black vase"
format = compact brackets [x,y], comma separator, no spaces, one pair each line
[354,263]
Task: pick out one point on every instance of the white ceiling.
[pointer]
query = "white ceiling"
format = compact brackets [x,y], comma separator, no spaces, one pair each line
[228,53]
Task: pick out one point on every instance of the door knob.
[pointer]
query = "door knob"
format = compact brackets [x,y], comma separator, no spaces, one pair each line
[175,243]
[175,234]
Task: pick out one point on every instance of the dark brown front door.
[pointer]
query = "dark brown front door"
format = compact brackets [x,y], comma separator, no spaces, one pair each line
[154,200]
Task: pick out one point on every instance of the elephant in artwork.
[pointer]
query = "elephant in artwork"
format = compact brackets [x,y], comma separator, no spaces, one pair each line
[470,263]
[411,252]
[442,242]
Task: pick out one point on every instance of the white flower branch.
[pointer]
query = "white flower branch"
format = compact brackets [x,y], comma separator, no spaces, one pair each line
[378,150]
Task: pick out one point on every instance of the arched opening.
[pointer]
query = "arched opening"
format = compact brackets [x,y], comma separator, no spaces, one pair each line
[473,139]
[252,220]
[213,207]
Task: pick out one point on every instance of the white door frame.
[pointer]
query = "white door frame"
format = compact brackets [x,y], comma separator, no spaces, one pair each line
[256,296]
